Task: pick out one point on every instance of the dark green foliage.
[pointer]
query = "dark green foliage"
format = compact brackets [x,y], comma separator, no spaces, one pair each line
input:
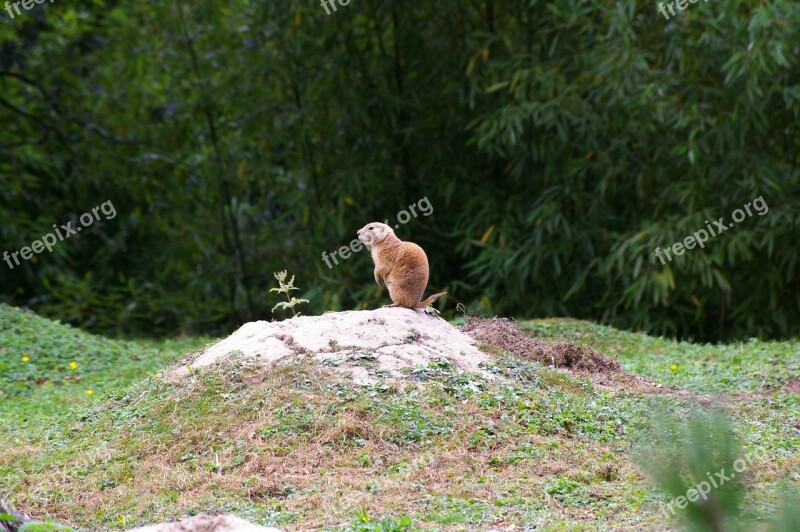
[559,142]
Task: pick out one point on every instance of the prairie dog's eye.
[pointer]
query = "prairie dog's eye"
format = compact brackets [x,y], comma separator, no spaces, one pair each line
[369,228]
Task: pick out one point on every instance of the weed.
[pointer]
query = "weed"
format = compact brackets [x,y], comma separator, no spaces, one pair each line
[285,288]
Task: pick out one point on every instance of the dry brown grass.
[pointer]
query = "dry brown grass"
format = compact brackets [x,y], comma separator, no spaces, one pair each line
[337,465]
[507,335]
[579,360]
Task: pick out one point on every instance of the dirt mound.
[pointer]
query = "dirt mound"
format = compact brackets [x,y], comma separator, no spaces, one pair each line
[362,345]
[507,335]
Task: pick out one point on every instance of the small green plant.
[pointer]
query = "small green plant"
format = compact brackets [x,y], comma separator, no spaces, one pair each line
[362,358]
[681,453]
[33,526]
[699,462]
[46,526]
[364,523]
[285,288]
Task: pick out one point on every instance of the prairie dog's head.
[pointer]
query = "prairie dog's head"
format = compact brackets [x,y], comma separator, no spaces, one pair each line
[374,233]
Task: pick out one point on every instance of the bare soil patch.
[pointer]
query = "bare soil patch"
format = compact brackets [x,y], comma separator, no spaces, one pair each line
[507,335]
[601,370]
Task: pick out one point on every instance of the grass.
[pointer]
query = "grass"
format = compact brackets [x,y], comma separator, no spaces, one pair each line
[758,381]
[48,369]
[754,367]
[294,448]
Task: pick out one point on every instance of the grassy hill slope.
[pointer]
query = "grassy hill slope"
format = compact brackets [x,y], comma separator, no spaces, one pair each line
[48,368]
[296,448]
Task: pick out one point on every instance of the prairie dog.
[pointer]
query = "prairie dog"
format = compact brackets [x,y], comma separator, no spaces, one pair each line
[401,266]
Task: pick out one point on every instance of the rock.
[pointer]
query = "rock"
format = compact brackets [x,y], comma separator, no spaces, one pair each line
[207,523]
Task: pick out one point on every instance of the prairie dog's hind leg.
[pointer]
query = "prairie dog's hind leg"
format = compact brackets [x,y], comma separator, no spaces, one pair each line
[399,295]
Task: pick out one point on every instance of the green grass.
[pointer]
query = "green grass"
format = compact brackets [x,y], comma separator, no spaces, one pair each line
[294,448]
[753,366]
[352,449]
[756,380]
[48,369]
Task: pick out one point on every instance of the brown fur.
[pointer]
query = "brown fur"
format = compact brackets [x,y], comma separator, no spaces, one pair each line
[401,266]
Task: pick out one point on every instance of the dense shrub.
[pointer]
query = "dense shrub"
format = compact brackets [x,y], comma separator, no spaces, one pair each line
[560,143]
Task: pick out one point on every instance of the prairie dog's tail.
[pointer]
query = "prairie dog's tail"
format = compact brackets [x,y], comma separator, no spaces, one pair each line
[431,299]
